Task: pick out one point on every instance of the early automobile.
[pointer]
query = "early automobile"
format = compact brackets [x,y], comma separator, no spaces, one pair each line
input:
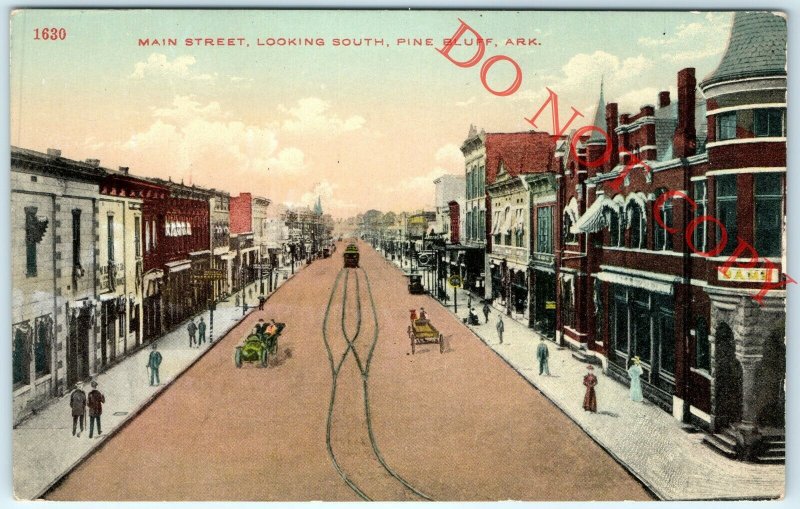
[415,283]
[351,256]
[422,332]
[256,348]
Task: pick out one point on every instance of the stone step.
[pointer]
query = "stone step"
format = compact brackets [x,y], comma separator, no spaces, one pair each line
[720,446]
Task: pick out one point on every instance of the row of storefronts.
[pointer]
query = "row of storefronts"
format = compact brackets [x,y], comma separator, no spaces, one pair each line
[104,262]
[617,258]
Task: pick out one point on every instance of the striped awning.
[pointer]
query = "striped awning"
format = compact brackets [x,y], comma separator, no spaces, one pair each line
[594,219]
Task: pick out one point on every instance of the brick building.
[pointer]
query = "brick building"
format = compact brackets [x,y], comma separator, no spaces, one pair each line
[629,286]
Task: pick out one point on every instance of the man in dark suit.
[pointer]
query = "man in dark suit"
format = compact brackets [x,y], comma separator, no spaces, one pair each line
[153,363]
[77,402]
[95,404]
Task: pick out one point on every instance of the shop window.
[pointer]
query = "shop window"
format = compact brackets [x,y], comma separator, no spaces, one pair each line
[726,126]
[21,357]
[42,345]
[768,214]
[620,331]
[640,327]
[726,210]
[665,335]
[702,345]
[769,122]
[567,303]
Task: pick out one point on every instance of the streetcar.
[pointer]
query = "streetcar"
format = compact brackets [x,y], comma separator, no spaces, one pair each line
[351,256]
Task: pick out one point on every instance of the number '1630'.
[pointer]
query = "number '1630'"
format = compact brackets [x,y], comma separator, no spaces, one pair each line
[49,34]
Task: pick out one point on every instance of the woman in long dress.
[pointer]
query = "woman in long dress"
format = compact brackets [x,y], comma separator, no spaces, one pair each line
[590,400]
[635,372]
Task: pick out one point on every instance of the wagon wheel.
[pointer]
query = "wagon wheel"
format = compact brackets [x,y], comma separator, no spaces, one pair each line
[441,343]
[237,357]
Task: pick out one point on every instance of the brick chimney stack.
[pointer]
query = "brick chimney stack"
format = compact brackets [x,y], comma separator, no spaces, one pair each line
[611,126]
[124,170]
[93,162]
[684,143]
[663,99]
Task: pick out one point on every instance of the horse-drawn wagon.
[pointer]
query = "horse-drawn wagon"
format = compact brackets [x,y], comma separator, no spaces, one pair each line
[421,332]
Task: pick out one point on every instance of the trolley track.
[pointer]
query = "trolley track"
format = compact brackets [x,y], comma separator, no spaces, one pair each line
[363,366]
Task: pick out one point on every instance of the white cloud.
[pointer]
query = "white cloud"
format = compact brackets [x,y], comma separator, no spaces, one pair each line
[193,138]
[158,64]
[703,39]
[311,115]
[450,155]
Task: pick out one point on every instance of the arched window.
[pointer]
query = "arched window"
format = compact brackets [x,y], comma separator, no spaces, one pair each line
[567,234]
[663,240]
[615,228]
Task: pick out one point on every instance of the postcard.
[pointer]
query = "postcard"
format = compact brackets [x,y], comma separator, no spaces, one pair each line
[398,255]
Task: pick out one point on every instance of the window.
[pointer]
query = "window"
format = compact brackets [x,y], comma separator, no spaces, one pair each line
[702,345]
[663,240]
[701,230]
[635,216]
[726,210]
[147,236]
[569,237]
[110,246]
[567,303]
[665,334]
[76,238]
[469,225]
[34,232]
[482,224]
[21,356]
[615,228]
[768,214]
[620,331]
[769,122]
[507,226]
[137,236]
[470,188]
[544,230]
[42,346]
[640,326]
[519,224]
[726,126]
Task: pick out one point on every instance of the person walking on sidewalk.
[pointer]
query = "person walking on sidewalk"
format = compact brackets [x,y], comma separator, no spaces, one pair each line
[77,403]
[192,328]
[153,364]
[542,354]
[95,404]
[635,372]
[590,399]
[261,301]
[486,309]
[201,331]
[500,328]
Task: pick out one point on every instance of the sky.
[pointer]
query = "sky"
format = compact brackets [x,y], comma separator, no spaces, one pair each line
[361,127]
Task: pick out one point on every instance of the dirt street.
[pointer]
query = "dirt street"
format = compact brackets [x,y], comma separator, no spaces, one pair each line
[460,425]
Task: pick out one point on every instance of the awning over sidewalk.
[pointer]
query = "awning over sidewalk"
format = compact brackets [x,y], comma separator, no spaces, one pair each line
[636,282]
[179,265]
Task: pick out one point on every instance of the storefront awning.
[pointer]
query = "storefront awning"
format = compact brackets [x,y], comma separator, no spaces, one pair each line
[179,265]
[594,219]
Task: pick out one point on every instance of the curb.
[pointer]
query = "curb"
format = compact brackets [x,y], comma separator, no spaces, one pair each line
[143,405]
[645,484]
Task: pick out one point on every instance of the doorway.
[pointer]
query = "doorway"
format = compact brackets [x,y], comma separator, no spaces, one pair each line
[727,380]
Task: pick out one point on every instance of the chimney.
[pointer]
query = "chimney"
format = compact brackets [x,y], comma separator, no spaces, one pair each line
[663,99]
[685,141]
[124,170]
[93,162]
[611,127]
[53,152]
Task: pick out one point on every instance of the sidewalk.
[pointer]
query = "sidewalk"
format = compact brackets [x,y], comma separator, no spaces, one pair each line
[648,441]
[43,446]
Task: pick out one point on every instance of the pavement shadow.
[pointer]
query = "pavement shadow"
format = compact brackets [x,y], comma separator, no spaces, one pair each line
[610,414]
[280,358]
